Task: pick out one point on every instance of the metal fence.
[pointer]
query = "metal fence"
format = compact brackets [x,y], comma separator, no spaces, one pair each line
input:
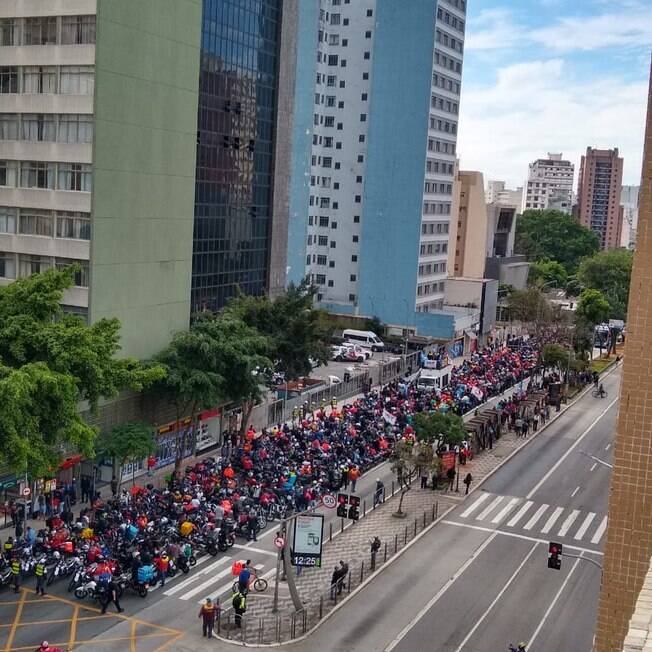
[290,624]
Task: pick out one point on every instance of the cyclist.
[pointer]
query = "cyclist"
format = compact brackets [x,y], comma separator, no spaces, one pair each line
[244,577]
[596,377]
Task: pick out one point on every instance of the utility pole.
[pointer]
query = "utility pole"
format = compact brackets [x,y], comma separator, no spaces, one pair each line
[283,560]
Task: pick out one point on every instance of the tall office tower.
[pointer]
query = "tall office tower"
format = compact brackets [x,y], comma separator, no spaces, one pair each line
[629,534]
[598,194]
[374,154]
[549,184]
[246,86]
[98,115]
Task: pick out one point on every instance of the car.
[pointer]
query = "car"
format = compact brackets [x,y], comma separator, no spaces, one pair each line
[356,353]
[334,380]
[338,353]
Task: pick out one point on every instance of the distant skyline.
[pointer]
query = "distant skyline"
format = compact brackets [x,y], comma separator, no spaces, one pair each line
[553,76]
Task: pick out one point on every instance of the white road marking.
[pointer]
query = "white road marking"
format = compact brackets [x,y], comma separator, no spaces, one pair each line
[551,606]
[477,503]
[260,551]
[489,508]
[568,522]
[575,444]
[575,491]
[435,598]
[600,531]
[537,515]
[227,587]
[519,515]
[607,447]
[552,520]
[194,576]
[505,510]
[496,599]
[584,527]
[593,467]
[203,585]
[514,535]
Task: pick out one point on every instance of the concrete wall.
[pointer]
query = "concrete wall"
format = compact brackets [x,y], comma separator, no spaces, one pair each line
[472,226]
[147,73]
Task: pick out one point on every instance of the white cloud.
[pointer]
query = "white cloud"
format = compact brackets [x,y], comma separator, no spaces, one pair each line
[538,107]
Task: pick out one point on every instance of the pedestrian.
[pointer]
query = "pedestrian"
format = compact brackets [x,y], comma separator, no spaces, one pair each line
[434,480]
[46,647]
[151,465]
[354,474]
[424,478]
[30,536]
[252,524]
[467,481]
[208,614]
[112,596]
[379,492]
[239,603]
[334,578]
[85,488]
[244,577]
[114,486]
[162,563]
[343,572]
[19,529]
[15,572]
[39,571]
[450,476]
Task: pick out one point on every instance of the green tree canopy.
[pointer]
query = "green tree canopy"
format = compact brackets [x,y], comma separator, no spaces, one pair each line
[407,460]
[50,361]
[610,272]
[446,427]
[547,271]
[529,305]
[592,307]
[554,355]
[297,332]
[554,235]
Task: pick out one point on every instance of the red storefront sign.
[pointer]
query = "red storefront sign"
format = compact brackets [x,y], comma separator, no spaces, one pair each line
[447,461]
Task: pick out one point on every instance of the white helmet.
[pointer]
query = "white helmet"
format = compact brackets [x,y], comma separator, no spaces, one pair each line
[57,555]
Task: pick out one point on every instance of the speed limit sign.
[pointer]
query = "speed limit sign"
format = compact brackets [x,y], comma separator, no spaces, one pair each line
[328,500]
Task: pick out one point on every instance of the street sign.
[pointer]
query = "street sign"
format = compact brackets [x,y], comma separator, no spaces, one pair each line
[308,538]
[279,542]
[26,492]
[328,500]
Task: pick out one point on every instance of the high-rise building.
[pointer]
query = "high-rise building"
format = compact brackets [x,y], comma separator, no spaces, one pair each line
[375,139]
[629,202]
[246,86]
[98,121]
[598,194]
[629,534]
[497,193]
[549,184]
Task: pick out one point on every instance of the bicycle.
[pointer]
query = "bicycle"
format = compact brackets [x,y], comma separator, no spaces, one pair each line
[596,393]
[259,584]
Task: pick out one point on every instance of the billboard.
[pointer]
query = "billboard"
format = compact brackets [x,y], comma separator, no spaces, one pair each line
[308,538]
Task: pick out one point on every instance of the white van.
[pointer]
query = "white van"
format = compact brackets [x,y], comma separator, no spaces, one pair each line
[367,339]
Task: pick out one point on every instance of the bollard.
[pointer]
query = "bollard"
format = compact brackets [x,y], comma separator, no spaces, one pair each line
[384,494]
[321,606]
[424,520]
[437,509]
[304,621]
[342,525]
[433,513]
[228,626]
[405,538]
[385,553]
[330,530]
[415,527]
[261,630]
[278,629]
[395,543]
[293,624]
[364,508]
[392,487]
[348,590]
[361,572]
[244,629]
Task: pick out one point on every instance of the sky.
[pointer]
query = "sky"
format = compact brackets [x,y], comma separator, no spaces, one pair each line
[553,76]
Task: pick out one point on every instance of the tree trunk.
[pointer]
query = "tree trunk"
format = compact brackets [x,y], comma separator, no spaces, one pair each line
[400,502]
[247,409]
[117,473]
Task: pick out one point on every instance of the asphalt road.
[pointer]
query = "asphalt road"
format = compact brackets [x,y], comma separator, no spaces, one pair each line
[474,583]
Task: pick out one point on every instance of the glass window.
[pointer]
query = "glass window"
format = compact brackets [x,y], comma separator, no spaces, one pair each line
[8,31]
[75,128]
[37,174]
[7,265]
[33,222]
[7,219]
[77,30]
[76,226]
[41,30]
[39,127]
[80,277]
[8,174]
[8,79]
[74,176]
[39,79]
[29,265]
[77,80]
[8,126]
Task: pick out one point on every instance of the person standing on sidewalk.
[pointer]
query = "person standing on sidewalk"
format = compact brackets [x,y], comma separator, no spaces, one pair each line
[450,476]
[467,481]
[114,486]
[424,478]
[239,603]
[39,571]
[208,614]
[15,572]
[354,474]
[379,491]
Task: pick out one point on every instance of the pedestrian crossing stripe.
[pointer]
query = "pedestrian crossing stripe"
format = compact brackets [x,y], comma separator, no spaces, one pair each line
[556,521]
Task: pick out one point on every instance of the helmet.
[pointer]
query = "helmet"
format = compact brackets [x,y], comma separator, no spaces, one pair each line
[57,555]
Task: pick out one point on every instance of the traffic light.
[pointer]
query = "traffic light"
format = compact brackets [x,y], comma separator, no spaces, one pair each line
[342,502]
[354,509]
[554,555]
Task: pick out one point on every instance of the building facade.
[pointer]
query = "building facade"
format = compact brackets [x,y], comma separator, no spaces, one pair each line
[374,147]
[598,195]
[241,201]
[97,155]
[629,534]
[549,184]
[629,202]
[497,193]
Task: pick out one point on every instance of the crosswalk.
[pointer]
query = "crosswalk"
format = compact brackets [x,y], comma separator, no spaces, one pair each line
[530,517]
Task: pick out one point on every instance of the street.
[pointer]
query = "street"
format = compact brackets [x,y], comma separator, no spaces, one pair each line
[475,582]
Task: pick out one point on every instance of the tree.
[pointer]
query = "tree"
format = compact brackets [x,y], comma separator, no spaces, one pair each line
[546,271]
[50,361]
[554,356]
[444,428]
[128,442]
[610,272]
[554,235]
[529,305]
[407,460]
[298,334]
[592,307]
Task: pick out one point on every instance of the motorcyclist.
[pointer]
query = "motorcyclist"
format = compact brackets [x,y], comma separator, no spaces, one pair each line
[519,648]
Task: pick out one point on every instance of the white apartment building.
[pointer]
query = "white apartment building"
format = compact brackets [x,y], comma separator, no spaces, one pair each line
[343,105]
[549,184]
[498,193]
[47,56]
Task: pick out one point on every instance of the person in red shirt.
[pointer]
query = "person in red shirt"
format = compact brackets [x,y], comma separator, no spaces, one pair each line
[162,563]
[151,465]
[354,474]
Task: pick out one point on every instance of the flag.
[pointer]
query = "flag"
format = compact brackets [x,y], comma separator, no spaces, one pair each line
[389,417]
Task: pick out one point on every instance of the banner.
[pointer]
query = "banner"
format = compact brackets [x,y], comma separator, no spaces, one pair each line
[389,417]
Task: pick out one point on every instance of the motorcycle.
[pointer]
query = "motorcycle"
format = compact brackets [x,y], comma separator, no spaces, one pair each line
[225,539]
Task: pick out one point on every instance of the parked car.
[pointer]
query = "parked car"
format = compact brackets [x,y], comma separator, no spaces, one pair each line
[334,380]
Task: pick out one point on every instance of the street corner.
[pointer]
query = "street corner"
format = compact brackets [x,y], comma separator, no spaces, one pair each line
[26,620]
